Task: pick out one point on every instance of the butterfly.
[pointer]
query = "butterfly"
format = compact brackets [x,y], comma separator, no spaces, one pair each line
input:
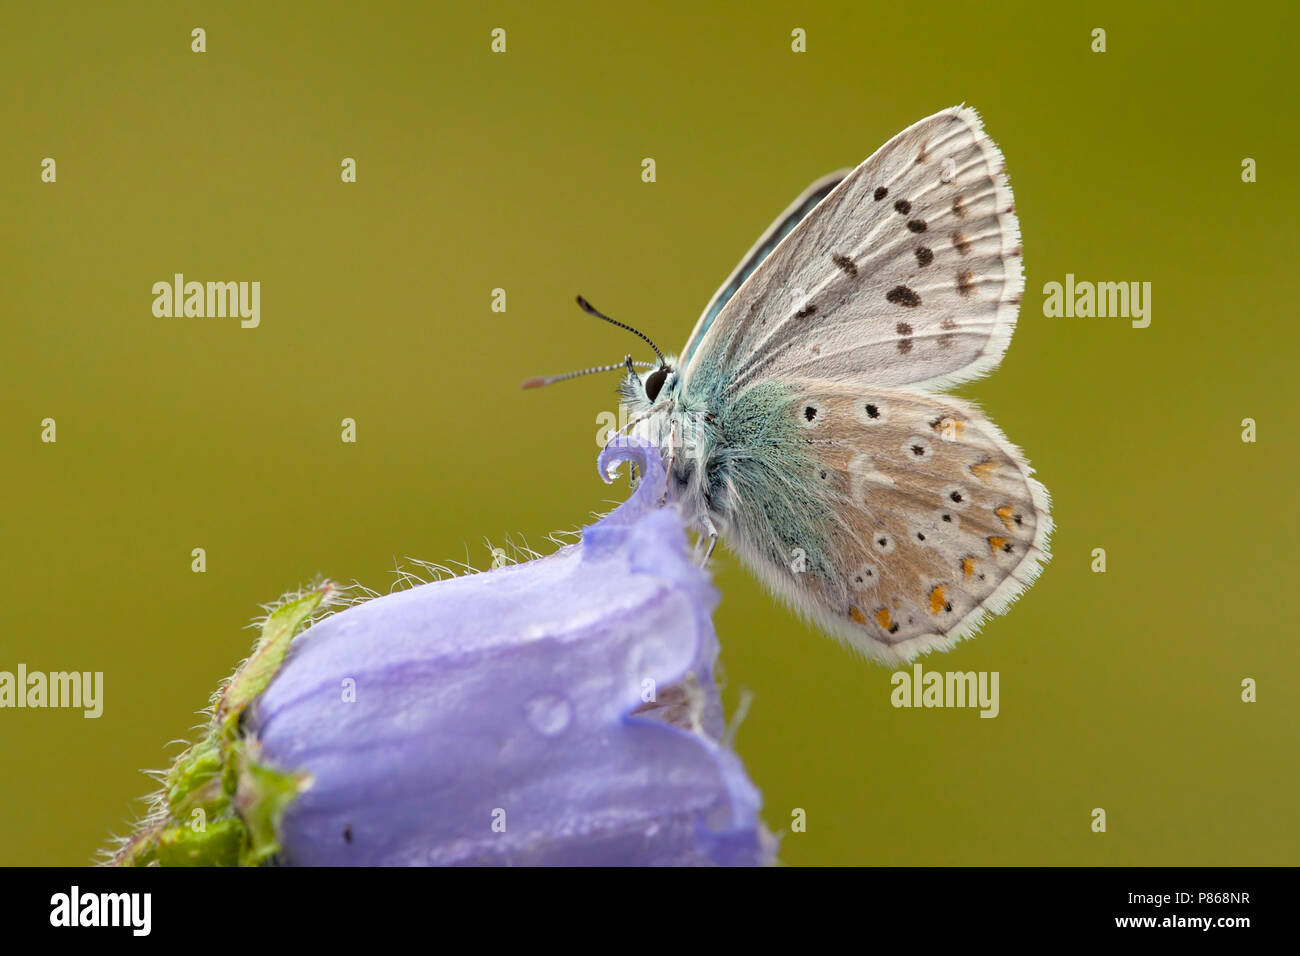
[804,421]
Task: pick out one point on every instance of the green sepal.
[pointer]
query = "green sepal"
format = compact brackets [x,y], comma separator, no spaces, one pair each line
[259,669]
[218,843]
[220,804]
[263,794]
[195,769]
[140,850]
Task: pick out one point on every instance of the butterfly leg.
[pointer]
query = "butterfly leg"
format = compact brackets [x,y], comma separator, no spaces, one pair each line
[672,462]
[713,541]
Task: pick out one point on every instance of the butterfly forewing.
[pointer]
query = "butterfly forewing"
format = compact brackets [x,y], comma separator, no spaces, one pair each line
[778,230]
[907,273]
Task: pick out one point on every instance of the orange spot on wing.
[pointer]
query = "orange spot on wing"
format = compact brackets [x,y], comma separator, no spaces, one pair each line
[1005,514]
[949,427]
[968,567]
[883,618]
[983,470]
[995,544]
[857,615]
[936,601]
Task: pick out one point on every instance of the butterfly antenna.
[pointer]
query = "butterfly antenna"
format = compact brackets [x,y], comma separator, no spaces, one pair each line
[592,310]
[552,379]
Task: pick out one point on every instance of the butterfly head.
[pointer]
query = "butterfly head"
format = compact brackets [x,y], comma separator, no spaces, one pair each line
[648,391]
[654,382]
[642,389]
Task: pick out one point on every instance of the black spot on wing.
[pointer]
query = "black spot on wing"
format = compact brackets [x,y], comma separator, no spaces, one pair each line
[846,264]
[902,295]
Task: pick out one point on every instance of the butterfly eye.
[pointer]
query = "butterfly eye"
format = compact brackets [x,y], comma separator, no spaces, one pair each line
[655,381]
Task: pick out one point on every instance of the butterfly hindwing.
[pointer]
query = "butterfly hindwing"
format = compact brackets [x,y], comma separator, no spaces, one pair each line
[907,273]
[921,518]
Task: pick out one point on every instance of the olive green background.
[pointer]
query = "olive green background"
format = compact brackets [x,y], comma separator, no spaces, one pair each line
[522,171]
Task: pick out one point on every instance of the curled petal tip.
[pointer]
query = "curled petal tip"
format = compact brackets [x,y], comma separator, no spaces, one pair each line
[630,448]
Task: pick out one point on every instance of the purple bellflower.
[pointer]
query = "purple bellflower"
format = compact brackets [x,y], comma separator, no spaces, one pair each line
[559,711]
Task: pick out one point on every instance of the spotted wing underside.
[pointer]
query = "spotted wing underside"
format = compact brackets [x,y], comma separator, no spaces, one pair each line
[926,519]
[907,273]
[781,227]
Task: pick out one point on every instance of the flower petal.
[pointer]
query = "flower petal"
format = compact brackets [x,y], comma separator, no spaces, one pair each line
[502,717]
